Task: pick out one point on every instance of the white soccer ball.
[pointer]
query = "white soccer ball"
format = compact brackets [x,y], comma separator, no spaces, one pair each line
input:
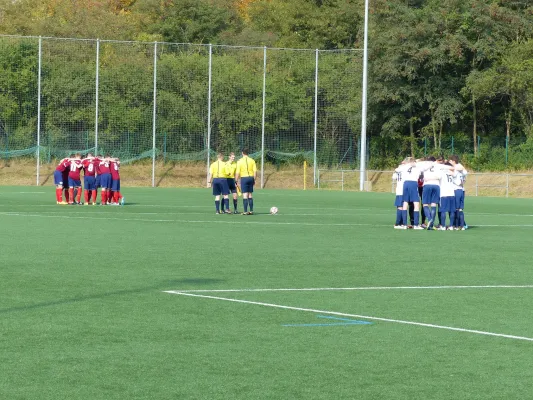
[273,210]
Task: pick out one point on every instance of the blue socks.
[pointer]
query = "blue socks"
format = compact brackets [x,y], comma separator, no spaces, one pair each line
[398,217]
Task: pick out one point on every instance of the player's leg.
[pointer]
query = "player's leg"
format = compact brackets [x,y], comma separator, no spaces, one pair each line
[246,187]
[71,184]
[235,203]
[405,206]
[58,182]
[78,195]
[411,213]
[217,191]
[251,197]
[95,191]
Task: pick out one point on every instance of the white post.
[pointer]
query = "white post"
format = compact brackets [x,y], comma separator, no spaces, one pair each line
[96,97]
[263,119]
[316,117]
[39,109]
[364,101]
[209,110]
[154,114]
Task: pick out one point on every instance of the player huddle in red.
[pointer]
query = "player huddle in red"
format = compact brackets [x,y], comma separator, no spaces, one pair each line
[98,172]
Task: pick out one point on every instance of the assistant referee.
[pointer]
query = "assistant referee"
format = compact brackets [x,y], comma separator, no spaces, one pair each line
[247,172]
[217,179]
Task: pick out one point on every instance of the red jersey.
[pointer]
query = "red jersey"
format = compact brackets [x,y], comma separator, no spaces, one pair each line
[75,169]
[89,169]
[63,165]
[103,167]
[114,166]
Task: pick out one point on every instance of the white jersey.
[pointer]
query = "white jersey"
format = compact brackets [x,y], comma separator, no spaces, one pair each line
[460,177]
[447,186]
[397,176]
[432,172]
[410,172]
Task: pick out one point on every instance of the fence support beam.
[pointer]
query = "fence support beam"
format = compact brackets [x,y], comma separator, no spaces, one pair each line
[39,109]
[316,118]
[208,144]
[363,106]
[154,114]
[97,84]
[263,119]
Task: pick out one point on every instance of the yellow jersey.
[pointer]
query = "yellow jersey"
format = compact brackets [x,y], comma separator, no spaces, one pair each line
[231,167]
[246,167]
[218,169]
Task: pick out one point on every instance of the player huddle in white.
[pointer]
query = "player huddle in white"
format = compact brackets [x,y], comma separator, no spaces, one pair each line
[442,192]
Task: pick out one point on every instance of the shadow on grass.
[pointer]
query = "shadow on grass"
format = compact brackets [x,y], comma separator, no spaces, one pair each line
[167,285]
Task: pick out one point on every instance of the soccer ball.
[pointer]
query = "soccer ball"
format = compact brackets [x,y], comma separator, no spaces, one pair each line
[273,210]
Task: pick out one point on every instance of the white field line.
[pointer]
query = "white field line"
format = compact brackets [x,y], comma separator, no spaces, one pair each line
[222,221]
[93,212]
[233,221]
[398,321]
[356,288]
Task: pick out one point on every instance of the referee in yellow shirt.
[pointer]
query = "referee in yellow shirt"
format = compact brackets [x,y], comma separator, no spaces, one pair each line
[217,179]
[231,167]
[247,172]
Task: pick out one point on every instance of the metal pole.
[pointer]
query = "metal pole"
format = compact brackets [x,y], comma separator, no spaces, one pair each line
[39,108]
[363,107]
[96,97]
[507,187]
[154,114]
[209,111]
[316,117]
[263,118]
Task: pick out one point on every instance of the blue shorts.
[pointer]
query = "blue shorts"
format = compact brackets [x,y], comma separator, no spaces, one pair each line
[74,182]
[398,201]
[58,178]
[105,181]
[97,183]
[447,204]
[89,182]
[247,184]
[220,186]
[431,194]
[231,185]
[459,199]
[410,192]
[115,185]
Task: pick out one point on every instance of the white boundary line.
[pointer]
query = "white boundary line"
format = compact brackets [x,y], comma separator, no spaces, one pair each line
[234,221]
[355,288]
[398,321]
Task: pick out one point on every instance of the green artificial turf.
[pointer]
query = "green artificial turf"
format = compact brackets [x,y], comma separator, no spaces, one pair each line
[86,312]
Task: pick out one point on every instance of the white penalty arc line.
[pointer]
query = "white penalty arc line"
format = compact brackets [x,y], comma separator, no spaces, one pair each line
[355,288]
[397,321]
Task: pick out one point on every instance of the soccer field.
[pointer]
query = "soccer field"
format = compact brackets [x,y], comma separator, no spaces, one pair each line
[163,299]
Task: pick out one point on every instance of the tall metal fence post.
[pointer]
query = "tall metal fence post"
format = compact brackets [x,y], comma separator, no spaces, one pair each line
[39,109]
[506,150]
[507,186]
[154,114]
[209,110]
[96,97]
[364,99]
[316,118]
[263,118]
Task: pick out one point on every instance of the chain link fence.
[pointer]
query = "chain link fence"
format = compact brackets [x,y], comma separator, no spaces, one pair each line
[177,102]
